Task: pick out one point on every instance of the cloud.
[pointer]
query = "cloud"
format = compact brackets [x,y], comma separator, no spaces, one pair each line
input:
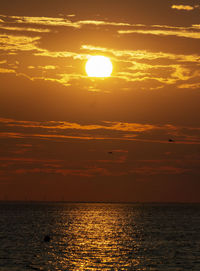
[29,159]
[63,22]
[181,33]
[3,61]
[87,172]
[143,65]
[63,130]
[142,54]
[28,29]
[190,85]
[47,21]
[183,7]
[63,54]
[56,22]
[196,26]
[16,44]
[148,168]
[31,165]
[159,170]
[63,125]
[12,43]
[141,68]
[3,70]
[97,23]
[25,43]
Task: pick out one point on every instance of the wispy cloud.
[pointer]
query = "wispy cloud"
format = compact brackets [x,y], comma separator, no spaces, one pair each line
[190,85]
[181,33]
[183,7]
[143,65]
[59,21]
[63,125]
[163,170]
[23,29]
[120,131]
[3,70]
[99,23]
[47,21]
[18,43]
[33,166]
[29,160]
[63,54]
[151,68]
[142,54]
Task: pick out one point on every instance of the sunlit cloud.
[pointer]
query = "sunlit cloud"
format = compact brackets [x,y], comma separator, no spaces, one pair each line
[120,131]
[63,125]
[48,21]
[3,61]
[18,43]
[185,34]
[24,43]
[48,67]
[11,135]
[140,69]
[182,7]
[53,21]
[190,85]
[63,54]
[28,29]
[142,54]
[196,26]
[3,70]
[14,44]
[103,23]
[70,15]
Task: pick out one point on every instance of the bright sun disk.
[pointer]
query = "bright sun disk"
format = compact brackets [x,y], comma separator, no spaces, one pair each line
[99,66]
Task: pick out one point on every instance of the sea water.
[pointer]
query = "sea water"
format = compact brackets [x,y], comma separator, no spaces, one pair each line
[99,236]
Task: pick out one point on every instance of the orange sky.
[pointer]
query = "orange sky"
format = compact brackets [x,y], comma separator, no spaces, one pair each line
[65,136]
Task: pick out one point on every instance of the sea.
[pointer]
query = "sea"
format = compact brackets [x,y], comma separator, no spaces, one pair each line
[99,236]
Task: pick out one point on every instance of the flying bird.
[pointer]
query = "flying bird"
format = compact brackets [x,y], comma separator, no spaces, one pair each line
[47,238]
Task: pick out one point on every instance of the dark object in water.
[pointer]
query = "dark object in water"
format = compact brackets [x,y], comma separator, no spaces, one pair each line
[110,152]
[47,238]
[171,140]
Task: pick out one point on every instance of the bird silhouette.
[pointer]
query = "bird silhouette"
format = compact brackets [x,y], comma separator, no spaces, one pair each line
[47,238]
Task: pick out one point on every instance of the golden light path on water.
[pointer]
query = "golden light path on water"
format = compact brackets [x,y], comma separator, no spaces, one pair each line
[96,239]
[93,237]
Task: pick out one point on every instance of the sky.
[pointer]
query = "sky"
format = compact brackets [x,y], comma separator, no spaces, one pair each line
[67,136]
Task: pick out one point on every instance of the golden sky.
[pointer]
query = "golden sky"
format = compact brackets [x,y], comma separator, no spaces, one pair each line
[66,136]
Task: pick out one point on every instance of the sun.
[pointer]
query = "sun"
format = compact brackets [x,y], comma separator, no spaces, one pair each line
[99,66]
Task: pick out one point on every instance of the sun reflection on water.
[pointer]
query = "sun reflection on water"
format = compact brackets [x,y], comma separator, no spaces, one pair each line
[95,238]
[100,237]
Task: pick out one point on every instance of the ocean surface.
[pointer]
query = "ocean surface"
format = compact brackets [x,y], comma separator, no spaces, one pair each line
[98,236]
